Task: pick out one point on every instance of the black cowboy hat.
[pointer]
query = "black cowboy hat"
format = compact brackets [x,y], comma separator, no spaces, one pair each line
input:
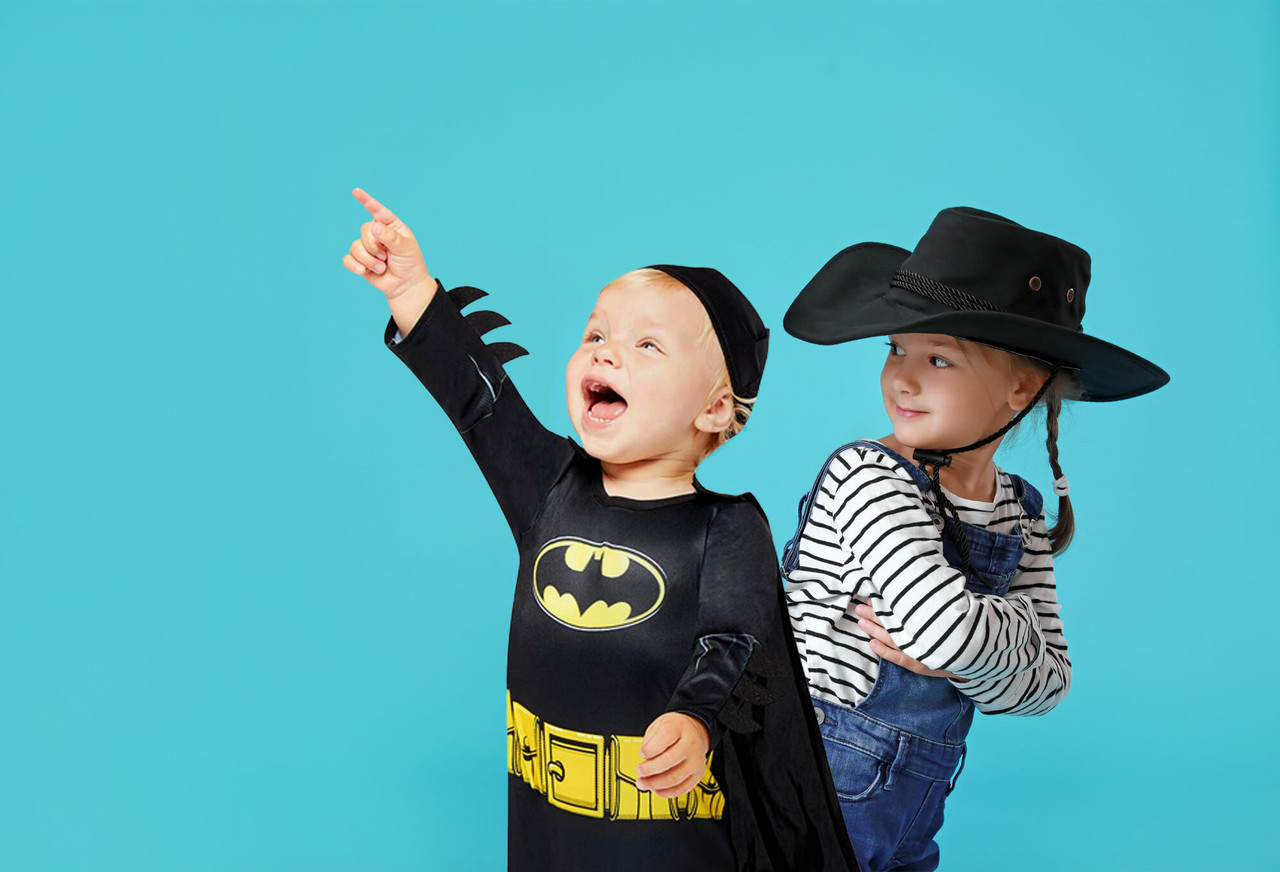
[977,276]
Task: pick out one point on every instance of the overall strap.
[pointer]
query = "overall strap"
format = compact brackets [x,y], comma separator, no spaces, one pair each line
[791,551]
[918,475]
[1030,498]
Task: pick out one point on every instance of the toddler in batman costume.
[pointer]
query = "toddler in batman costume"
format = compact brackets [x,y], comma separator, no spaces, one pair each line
[657,717]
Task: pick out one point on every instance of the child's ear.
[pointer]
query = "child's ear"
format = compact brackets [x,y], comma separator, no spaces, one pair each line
[718,414]
[1026,384]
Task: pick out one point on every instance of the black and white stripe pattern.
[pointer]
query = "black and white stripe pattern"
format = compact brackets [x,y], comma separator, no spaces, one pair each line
[869,538]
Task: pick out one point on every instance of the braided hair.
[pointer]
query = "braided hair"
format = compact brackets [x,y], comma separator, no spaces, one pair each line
[1064,527]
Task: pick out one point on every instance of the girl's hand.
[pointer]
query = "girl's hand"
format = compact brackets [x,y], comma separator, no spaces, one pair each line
[387,254]
[883,646]
[675,755]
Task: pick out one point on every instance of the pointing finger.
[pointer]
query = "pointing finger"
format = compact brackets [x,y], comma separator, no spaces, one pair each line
[376,209]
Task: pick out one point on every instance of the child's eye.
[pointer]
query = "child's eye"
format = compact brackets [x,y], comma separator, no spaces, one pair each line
[593,337]
[939,362]
[894,349]
[648,345]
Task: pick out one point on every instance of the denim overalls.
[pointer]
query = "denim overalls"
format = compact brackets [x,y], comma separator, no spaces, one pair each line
[893,757]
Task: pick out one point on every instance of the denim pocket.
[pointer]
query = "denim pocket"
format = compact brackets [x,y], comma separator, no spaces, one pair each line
[856,773]
[998,584]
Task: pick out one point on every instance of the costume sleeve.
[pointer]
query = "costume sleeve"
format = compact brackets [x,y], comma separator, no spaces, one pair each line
[520,459]
[738,612]
[880,519]
[1037,690]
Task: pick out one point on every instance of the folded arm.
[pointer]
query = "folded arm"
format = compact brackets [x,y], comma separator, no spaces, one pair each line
[922,601]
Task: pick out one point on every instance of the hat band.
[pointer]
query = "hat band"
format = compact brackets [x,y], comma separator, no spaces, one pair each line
[940,293]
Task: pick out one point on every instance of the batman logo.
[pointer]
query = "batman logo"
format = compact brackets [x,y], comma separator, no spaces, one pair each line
[596,586]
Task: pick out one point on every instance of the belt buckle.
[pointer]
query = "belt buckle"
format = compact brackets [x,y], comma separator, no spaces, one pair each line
[575,770]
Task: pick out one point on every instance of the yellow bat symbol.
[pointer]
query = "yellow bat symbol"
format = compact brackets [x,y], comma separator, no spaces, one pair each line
[595,585]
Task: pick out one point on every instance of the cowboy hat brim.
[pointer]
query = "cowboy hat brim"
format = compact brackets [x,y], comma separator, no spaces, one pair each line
[852,298]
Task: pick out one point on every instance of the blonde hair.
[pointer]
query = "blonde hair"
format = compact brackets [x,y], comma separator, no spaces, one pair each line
[1065,386]
[742,407]
[654,278]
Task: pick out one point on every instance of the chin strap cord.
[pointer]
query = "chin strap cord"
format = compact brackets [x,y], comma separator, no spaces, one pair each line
[938,459]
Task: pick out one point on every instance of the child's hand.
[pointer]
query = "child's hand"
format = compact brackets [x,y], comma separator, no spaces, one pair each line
[387,254]
[675,755]
[884,647]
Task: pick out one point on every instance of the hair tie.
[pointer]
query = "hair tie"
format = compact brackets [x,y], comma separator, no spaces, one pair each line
[1060,486]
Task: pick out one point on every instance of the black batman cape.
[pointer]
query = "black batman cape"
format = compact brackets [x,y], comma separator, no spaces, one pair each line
[625,609]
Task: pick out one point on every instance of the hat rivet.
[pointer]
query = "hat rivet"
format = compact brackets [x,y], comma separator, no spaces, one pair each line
[1034,283]
[1071,294]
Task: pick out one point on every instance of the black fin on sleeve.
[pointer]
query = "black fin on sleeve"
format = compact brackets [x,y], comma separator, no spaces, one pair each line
[507,351]
[742,712]
[484,321]
[464,295]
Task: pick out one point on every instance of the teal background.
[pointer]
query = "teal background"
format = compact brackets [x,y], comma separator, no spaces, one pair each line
[253,593]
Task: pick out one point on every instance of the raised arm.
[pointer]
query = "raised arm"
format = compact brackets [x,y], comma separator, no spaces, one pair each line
[387,255]
[520,459]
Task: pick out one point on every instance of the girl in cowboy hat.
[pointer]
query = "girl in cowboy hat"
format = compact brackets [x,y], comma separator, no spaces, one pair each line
[921,575]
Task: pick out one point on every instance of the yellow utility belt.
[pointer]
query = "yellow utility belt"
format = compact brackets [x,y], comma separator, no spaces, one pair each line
[595,775]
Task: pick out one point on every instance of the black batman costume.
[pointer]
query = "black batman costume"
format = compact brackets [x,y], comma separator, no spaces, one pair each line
[625,609]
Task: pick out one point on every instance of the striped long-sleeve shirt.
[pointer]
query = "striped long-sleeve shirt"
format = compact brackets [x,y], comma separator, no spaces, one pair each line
[869,538]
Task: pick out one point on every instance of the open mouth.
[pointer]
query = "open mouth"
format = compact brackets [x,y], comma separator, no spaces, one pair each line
[604,404]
